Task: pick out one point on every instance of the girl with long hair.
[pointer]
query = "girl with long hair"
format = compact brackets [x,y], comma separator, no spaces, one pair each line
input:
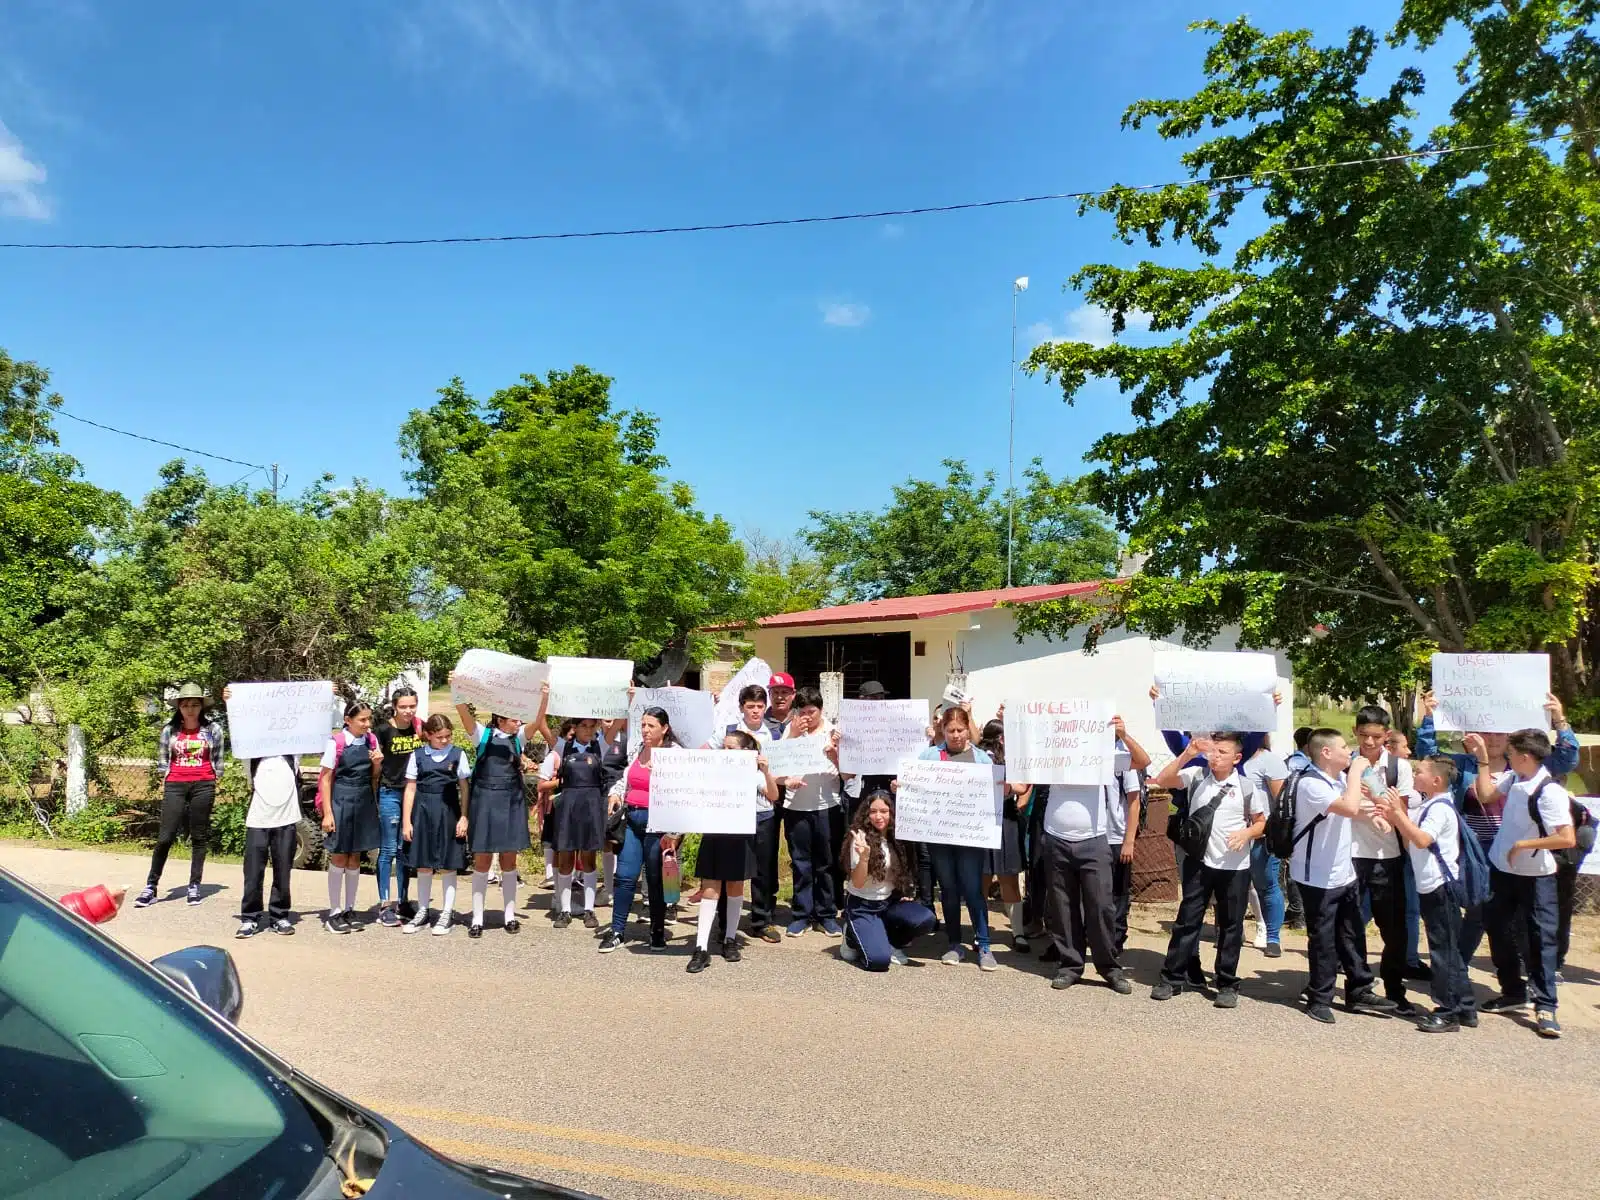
[434,821]
[190,761]
[577,820]
[347,787]
[641,849]
[497,822]
[723,862]
[879,920]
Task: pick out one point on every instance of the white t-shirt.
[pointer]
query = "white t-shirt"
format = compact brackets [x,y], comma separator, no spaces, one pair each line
[1075,813]
[1331,865]
[872,889]
[1366,839]
[274,795]
[1444,827]
[819,791]
[1235,811]
[1516,825]
[1262,769]
[1117,804]
[463,767]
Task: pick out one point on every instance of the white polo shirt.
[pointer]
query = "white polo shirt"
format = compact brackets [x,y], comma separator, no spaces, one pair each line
[1236,810]
[1117,803]
[1075,813]
[1517,825]
[1330,863]
[1442,824]
[1366,839]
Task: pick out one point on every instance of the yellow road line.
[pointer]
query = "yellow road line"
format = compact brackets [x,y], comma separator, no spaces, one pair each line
[695,1185]
[764,1162]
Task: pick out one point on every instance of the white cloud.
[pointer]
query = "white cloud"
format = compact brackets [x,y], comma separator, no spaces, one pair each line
[849,316]
[1086,323]
[21,181]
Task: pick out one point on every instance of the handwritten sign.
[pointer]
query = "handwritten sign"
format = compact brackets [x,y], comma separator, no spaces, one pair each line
[1491,693]
[798,756]
[876,736]
[952,803]
[590,687]
[493,682]
[703,791]
[266,719]
[1207,690]
[727,711]
[1060,741]
[688,712]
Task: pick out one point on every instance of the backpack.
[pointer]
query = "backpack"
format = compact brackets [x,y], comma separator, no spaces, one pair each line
[1194,830]
[1280,833]
[1575,853]
[1469,886]
[341,740]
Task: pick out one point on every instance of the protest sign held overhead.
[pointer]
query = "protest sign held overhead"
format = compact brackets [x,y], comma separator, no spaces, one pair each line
[1490,693]
[590,687]
[1060,741]
[703,791]
[266,719]
[493,682]
[1206,690]
[689,712]
[727,711]
[876,736]
[950,803]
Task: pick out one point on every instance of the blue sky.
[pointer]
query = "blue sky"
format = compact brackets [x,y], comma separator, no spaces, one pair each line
[791,369]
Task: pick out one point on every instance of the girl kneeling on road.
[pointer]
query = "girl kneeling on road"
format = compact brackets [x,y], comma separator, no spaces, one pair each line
[433,824]
[878,925]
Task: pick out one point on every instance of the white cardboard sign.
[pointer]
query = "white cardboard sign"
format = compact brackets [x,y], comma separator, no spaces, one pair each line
[1066,741]
[798,756]
[703,791]
[1205,690]
[494,682]
[951,803]
[590,687]
[876,736]
[727,711]
[1491,693]
[267,719]
[689,712]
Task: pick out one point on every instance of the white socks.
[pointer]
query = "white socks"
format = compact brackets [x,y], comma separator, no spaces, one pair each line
[352,881]
[447,906]
[480,890]
[708,918]
[335,884]
[588,891]
[735,909]
[508,892]
[549,867]
[564,894]
[424,891]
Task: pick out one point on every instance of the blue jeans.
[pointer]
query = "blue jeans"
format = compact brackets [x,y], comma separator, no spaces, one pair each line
[878,928]
[959,870]
[390,805]
[641,850]
[1264,874]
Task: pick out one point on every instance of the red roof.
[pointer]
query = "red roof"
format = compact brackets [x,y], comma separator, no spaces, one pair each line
[912,608]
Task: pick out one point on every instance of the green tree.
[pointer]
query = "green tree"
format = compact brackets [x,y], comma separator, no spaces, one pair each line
[783,577]
[1373,415]
[951,537]
[48,518]
[549,497]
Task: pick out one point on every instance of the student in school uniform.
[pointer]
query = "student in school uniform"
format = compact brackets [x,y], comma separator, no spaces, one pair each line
[270,825]
[1217,869]
[723,862]
[497,821]
[808,807]
[756,720]
[347,785]
[434,820]
[1521,915]
[578,817]
[1326,800]
[1381,868]
[545,789]
[1432,829]
[880,920]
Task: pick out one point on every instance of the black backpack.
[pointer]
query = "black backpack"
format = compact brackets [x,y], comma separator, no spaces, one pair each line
[1582,827]
[1280,835]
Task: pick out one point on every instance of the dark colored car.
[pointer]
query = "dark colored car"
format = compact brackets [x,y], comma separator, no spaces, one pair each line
[122,1080]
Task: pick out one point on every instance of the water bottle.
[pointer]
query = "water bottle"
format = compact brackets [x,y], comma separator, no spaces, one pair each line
[671,877]
[1374,782]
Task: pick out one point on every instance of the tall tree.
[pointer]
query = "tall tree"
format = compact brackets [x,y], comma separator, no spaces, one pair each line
[1375,418]
[546,495]
[952,536]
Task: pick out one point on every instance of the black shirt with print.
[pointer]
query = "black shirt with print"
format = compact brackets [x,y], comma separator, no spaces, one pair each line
[398,746]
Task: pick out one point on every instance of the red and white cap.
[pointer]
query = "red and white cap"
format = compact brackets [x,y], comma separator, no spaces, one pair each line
[781,680]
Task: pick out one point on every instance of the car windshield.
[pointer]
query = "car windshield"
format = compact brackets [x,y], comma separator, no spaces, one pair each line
[111,1085]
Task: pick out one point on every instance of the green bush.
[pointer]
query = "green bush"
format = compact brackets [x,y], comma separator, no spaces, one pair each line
[97,824]
[227,826]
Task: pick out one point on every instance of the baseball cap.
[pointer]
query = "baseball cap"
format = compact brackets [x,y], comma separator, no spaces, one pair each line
[872,688]
[781,680]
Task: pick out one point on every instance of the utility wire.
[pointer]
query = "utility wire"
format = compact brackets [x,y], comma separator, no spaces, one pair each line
[1219,182]
[172,445]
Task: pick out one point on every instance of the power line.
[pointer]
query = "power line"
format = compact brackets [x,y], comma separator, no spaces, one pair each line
[159,442]
[1216,183]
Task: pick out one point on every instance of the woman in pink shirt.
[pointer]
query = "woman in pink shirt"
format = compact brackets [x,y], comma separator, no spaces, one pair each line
[641,849]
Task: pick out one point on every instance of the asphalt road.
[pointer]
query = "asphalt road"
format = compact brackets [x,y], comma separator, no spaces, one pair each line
[793,1075]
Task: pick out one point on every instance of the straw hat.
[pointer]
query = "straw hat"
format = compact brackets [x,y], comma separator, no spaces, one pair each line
[189,691]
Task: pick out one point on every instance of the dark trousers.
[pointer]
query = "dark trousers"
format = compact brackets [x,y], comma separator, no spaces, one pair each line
[1336,939]
[921,867]
[810,837]
[1121,897]
[1383,887]
[1566,898]
[184,803]
[1521,919]
[1201,885]
[1441,916]
[1033,900]
[1078,903]
[260,847]
[879,927]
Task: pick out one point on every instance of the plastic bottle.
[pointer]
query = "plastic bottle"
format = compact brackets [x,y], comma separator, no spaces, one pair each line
[671,876]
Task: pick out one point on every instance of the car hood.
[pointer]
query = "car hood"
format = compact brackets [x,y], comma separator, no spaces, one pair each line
[411,1169]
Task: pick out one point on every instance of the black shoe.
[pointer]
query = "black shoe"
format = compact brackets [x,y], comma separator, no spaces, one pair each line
[658,940]
[1117,981]
[1320,1012]
[1226,998]
[513,926]
[1064,979]
[408,910]
[335,923]
[590,921]
[356,925]
[1419,972]
[475,931]
[1273,950]
[1434,1023]
[611,941]
[699,961]
[145,898]
[730,950]
[247,929]
[561,920]
[1369,1002]
[1164,990]
[1404,1008]
[1504,1004]
[282,926]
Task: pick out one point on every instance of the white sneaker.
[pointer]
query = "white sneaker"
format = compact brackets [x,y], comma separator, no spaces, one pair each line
[417,923]
[899,958]
[1261,936]
[442,925]
[848,952]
